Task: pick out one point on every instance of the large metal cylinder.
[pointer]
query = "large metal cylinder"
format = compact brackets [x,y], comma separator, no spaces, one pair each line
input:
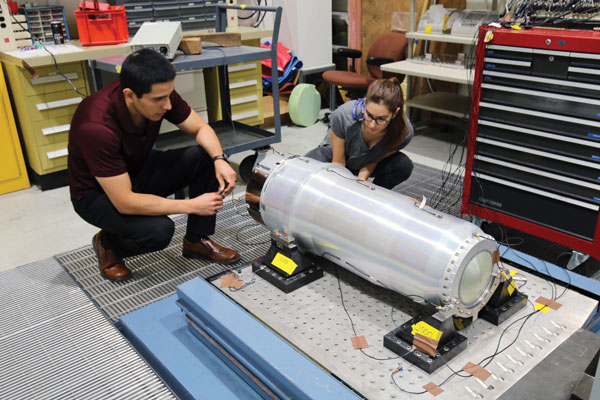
[382,235]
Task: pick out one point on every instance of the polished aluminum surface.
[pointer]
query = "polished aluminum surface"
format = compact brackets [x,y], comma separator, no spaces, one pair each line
[379,234]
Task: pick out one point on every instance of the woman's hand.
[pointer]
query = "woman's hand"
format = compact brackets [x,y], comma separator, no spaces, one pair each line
[366,171]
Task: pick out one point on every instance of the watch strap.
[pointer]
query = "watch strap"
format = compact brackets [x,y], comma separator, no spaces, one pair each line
[220,157]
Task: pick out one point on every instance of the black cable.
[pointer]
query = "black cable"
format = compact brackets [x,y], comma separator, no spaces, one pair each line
[452,179]
[496,352]
[245,227]
[404,390]
[253,13]
[249,16]
[352,322]
[261,18]
[489,359]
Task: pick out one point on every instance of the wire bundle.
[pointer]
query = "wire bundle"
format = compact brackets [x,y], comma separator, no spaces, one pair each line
[579,14]
[260,15]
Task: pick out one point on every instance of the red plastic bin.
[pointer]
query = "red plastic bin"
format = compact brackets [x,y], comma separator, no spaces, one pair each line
[101,27]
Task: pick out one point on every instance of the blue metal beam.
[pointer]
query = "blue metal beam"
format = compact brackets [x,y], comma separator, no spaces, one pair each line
[285,370]
[192,370]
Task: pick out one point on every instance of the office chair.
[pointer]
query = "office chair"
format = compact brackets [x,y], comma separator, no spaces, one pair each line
[387,48]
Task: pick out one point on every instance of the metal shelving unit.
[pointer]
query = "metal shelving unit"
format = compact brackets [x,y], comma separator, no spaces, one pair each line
[235,137]
[440,102]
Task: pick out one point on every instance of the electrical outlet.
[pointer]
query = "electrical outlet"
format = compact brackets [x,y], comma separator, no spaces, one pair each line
[232,17]
[7,36]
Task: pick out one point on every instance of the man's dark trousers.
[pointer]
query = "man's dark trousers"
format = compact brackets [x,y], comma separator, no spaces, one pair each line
[164,173]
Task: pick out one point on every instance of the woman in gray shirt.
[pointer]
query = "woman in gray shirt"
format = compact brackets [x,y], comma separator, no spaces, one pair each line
[367,134]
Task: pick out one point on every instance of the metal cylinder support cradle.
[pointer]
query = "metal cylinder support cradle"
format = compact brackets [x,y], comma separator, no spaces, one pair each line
[382,235]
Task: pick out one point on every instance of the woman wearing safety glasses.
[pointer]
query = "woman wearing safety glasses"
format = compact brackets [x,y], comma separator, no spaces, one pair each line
[367,134]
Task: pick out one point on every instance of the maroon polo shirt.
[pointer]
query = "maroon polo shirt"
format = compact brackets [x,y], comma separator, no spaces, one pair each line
[104,142]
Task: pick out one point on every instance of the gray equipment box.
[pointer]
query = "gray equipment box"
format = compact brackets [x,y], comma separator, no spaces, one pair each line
[164,37]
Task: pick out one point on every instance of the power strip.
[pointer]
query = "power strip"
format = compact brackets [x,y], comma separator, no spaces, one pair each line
[7,36]
[232,17]
[20,29]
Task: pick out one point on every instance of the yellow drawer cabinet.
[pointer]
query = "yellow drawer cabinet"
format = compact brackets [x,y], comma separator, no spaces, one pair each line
[13,175]
[245,91]
[44,107]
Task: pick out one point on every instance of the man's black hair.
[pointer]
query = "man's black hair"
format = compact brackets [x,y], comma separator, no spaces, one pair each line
[143,68]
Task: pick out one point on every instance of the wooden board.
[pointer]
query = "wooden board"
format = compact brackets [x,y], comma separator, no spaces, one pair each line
[225,39]
[191,45]
[268,112]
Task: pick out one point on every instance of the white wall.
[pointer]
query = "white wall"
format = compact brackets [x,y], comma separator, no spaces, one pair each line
[305,28]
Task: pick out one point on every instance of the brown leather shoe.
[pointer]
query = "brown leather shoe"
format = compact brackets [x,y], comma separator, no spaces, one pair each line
[206,248]
[112,266]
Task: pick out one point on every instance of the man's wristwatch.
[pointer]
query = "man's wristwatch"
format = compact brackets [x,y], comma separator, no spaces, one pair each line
[221,157]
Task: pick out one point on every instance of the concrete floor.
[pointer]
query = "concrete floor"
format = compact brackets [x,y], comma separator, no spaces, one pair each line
[39,224]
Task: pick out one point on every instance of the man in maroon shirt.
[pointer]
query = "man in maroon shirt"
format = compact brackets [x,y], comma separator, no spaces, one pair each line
[119,183]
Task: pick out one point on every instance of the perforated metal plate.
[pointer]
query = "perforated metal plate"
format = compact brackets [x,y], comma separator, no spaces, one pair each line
[55,344]
[313,319]
[156,275]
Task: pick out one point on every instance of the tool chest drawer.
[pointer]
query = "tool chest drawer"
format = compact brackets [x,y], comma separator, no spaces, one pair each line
[586,150]
[568,215]
[548,85]
[538,100]
[540,120]
[538,178]
[49,81]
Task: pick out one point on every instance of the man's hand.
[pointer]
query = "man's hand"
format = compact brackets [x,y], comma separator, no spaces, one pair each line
[226,177]
[206,204]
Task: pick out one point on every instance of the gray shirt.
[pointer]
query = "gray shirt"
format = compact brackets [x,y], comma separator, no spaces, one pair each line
[357,153]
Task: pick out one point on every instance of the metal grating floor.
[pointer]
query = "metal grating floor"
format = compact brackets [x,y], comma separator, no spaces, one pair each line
[156,275]
[55,344]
